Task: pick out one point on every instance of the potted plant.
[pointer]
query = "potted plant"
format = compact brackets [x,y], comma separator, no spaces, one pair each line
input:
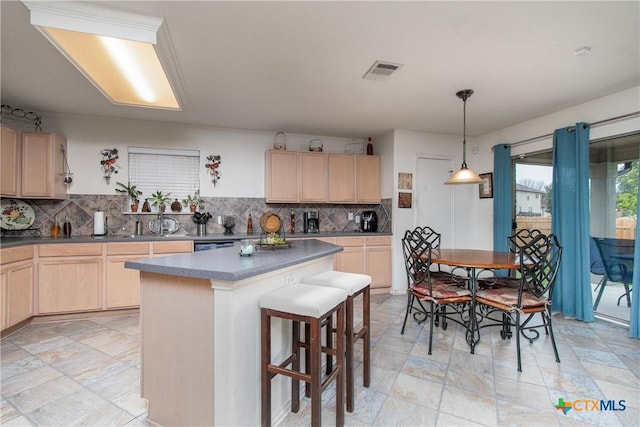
[131,191]
[159,199]
[194,202]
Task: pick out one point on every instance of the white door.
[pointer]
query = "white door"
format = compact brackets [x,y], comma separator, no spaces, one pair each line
[434,199]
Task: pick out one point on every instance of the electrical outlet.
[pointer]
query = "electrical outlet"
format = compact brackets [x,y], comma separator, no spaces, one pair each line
[357,218]
[350,216]
[219,219]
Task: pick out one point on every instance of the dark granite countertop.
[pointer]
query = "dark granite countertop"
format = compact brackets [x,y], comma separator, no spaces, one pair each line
[227,264]
[8,242]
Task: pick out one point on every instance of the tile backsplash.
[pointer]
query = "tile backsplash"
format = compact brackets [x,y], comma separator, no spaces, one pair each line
[80,208]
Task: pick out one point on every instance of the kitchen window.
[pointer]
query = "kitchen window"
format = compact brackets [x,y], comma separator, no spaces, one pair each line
[170,171]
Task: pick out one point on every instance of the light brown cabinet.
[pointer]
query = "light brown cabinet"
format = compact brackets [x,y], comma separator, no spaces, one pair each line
[171,248]
[281,176]
[342,178]
[16,283]
[123,284]
[41,166]
[308,177]
[366,255]
[313,170]
[70,277]
[368,179]
[354,179]
[9,162]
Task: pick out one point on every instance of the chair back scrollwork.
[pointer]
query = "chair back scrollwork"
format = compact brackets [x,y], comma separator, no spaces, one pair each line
[539,263]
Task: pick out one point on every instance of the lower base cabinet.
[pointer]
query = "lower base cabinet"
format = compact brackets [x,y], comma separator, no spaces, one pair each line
[365,255]
[123,284]
[17,292]
[16,285]
[70,284]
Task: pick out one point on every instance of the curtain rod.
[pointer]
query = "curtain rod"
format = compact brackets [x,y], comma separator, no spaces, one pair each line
[594,124]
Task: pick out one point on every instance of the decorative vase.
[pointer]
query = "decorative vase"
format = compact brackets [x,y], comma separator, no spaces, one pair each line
[176,206]
[145,206]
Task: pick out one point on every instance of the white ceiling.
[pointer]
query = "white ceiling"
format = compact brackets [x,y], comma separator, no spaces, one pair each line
[297,66]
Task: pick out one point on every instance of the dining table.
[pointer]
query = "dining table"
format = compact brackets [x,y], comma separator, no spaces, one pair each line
[476,262]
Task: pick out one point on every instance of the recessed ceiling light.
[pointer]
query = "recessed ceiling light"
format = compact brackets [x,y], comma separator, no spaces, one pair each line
[116,50]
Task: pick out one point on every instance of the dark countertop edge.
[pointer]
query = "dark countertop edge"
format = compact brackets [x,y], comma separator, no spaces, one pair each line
[174,265]
[10,242]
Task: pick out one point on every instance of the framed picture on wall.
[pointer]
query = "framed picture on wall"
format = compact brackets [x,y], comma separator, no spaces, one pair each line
[405,181]
[486,188]
[404,200]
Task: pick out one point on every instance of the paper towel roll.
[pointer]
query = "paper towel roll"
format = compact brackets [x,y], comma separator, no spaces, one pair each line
[98,223]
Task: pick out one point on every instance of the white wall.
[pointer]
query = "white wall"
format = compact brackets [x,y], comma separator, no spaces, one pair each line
[242,151]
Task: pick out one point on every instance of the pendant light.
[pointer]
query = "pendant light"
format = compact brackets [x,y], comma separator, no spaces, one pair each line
[464,175]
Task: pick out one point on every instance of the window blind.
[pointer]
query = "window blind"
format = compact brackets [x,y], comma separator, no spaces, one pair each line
[167,170]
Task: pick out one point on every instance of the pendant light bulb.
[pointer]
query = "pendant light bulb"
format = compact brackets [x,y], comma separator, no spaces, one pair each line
[464,175]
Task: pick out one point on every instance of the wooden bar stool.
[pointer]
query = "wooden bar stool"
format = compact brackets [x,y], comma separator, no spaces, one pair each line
[311,305]
[354,284]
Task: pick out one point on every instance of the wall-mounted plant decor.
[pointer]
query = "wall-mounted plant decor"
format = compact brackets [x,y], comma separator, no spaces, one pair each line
[108,163]
[213,166]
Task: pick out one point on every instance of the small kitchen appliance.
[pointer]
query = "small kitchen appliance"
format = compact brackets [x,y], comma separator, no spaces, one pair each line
[311,222]
[369,221]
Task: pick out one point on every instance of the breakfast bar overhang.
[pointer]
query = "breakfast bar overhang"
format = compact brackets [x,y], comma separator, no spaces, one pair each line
[200,330]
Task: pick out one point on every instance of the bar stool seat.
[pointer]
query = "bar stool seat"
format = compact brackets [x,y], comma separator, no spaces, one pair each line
[354,284]
[311,305]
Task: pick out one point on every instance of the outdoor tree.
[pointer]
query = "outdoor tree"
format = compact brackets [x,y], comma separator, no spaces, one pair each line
[627,191]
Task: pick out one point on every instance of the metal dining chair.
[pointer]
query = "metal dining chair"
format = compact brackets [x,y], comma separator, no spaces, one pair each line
[426,286]
[596,267]
[617,258]
[539,263]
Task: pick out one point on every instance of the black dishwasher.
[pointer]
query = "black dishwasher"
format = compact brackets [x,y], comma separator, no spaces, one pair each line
[203,245]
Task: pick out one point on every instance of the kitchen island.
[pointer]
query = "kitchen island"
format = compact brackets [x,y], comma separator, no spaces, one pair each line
[200,331]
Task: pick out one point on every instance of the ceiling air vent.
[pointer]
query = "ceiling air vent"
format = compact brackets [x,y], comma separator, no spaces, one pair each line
[381,70]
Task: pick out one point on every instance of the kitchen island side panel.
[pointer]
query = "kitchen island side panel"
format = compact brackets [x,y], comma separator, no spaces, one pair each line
[176,351]
[222,319]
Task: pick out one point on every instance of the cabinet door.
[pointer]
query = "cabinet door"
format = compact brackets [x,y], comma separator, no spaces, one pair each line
[19,292]
[378,266]
[351,260]
[342,178]
[3,299]
[281,176]
[41,174]
[123,284]
[368,179]
[313,169]
[70,284]
[9,162]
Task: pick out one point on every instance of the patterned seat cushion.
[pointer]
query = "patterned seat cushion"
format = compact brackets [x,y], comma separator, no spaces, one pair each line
[441,290]
[508,296]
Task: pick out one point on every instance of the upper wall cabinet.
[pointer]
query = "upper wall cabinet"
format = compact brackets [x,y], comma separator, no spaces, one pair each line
[32,165]
[41,166]
[9,162]
[368,179]
[354,179]
[309,177]
[282,176]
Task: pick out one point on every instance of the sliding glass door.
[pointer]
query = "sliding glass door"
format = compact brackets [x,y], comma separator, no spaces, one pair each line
[614,172]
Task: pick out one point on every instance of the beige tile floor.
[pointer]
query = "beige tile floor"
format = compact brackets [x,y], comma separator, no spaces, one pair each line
[86,372]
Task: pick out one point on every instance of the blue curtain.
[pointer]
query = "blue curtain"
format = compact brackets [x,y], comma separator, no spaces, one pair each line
[570,221]
[634,320]
[502,196]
